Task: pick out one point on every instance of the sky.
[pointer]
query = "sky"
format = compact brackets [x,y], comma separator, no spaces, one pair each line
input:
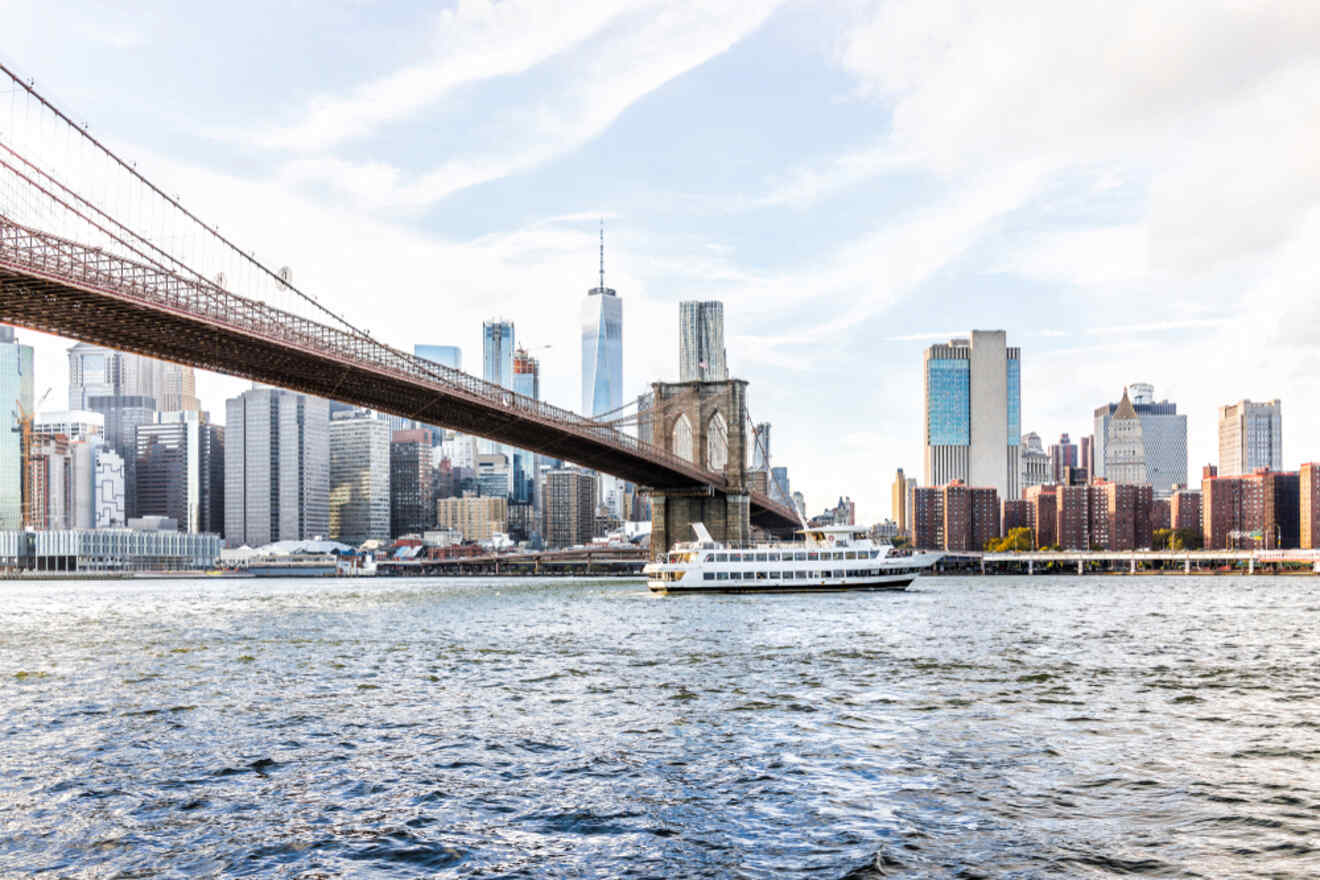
[1130,189]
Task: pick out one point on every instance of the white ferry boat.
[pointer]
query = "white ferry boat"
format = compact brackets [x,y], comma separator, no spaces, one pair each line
[830,559]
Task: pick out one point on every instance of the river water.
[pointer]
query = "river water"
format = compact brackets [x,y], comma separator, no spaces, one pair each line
[977,727]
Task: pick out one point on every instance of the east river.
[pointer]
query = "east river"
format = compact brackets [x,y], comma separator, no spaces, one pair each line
[979,727]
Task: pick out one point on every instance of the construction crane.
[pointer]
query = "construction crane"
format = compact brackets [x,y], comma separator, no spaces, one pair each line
[23,428]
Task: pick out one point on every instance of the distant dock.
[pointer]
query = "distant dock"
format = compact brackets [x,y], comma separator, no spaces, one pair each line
[1184,562]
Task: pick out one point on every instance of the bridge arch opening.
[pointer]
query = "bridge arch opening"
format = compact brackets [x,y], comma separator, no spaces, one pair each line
[683,439]
[717,442]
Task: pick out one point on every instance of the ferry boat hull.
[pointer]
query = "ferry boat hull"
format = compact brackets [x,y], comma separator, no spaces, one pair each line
[895,586]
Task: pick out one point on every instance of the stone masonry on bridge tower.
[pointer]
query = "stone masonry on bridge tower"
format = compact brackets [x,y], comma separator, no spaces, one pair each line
[704,423]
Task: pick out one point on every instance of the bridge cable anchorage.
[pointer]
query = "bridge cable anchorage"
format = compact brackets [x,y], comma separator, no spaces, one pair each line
[174,202]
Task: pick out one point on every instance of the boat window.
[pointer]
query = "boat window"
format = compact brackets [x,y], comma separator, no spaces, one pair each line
[802,575]
[760,557]
[773,557]
[774,575]
[760,576]
[735,575]
[721,557]
[721,576]
[708,576]
[813,557]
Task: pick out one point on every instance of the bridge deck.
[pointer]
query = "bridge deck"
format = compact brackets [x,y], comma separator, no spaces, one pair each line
[58,286]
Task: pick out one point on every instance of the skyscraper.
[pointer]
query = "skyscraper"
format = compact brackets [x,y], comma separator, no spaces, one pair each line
[973,404]
[359,477]
[602,367]
[277,467]
[412,506]
[1163,438]
[96,492]
[1125,448]
[497,352]
[49,467]
[701,355]
[570,509]
[496,366]
[123,415]
[15,389]
[602,346]
[180,471]
[527,382]
[1250,437]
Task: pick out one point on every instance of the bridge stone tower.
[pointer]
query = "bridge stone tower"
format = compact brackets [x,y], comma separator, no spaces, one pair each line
[704,423]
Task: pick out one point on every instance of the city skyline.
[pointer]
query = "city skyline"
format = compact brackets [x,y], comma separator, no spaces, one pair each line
[1102,204]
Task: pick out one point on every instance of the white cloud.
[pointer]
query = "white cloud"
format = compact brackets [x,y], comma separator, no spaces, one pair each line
[474,41]
[642,48]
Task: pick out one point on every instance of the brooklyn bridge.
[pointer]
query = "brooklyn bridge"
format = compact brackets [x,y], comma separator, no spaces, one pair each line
[92,250]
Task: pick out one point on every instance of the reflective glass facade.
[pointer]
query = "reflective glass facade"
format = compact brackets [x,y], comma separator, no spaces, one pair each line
[445,355]
[602,352]
[497,352]
[1014,401]
[950,405]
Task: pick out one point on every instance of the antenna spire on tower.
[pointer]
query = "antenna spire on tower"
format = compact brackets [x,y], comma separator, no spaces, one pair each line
[602,254]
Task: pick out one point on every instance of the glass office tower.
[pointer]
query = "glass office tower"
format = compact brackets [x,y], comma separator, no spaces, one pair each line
[497,352]
[602,352]
[973,402]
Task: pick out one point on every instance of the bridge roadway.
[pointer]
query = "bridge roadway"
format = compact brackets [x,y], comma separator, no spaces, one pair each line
[58,286]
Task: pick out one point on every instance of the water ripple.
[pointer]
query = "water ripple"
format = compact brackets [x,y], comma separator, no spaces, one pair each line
[1004,727]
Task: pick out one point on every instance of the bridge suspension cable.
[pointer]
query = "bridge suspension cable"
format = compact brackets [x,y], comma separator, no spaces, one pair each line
[143,242]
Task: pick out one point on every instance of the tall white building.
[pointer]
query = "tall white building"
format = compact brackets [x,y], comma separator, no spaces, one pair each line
[359,477]
[701,354]
[277,467]
[602,346]
[973,412]
[1250,437]
[602,366]
[96,491]
[1163,438]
